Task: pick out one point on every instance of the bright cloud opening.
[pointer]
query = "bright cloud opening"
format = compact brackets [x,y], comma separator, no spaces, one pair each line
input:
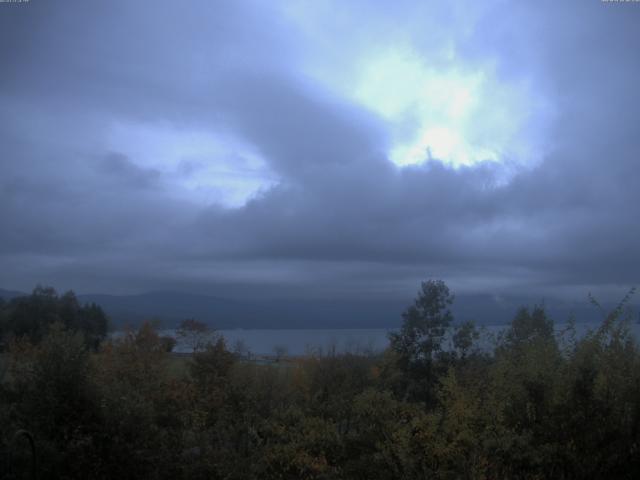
[455,115]
[199,166]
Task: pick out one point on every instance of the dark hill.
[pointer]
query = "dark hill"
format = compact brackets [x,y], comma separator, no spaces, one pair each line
[171,307]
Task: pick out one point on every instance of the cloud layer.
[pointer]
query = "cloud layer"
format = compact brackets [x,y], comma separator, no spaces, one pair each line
[219,147]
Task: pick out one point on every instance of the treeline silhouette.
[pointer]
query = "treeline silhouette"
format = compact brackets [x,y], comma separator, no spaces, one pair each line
[31,317]
[432,405]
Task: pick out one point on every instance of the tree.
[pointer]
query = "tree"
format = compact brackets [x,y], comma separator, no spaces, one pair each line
[241,350]
[168,343]
[193,334]
[140,407]
[94,323]
[418,344]
[527,327]
[32,316]
[425,323]
[280,351]
[51,396]
[464,337]
[210,368]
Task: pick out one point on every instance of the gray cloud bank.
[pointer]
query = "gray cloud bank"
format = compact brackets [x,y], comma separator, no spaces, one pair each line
[342,220]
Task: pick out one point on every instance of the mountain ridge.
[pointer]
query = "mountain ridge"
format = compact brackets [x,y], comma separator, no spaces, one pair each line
[168,308]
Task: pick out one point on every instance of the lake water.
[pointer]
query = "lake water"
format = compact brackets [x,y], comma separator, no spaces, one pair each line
[299,342]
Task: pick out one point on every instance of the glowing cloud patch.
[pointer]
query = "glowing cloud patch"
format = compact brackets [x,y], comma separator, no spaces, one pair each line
[449,113]
[196,165]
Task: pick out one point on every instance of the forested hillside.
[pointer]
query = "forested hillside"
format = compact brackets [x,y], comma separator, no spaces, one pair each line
[537,406]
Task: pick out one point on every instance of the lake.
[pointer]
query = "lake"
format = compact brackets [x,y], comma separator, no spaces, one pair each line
[299,342]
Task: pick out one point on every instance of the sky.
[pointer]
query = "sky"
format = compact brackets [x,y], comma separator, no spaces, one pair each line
[320,149]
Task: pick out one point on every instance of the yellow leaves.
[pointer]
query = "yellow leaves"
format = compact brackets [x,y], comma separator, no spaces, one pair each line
[460,419]
[298,446]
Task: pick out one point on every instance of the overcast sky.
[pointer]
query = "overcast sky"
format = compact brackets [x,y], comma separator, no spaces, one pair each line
[323,148]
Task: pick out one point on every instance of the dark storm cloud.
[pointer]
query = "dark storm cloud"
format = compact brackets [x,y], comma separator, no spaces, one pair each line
[342,218]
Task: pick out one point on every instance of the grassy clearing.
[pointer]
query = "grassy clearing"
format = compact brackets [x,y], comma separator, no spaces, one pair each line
[178,363]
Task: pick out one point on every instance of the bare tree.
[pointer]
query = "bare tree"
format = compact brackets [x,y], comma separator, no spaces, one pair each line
[280,352]
[193,334]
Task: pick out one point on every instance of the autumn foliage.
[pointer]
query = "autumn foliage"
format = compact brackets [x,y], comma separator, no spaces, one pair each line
[536,404]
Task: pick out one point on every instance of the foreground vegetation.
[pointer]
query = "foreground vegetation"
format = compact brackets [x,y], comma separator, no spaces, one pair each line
[433,405]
